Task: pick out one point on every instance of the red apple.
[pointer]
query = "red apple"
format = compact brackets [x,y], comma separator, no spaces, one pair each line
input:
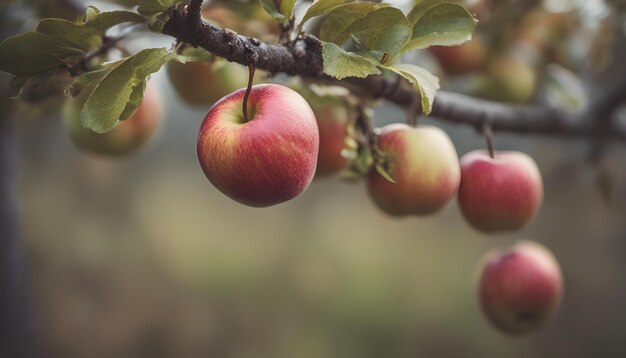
[203,83]
[126,137]
[332,120]
[501,193]
[519,289]
[267,160]
[424,164]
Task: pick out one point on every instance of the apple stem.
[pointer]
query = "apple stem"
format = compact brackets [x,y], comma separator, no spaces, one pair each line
[251,70]
[488,133]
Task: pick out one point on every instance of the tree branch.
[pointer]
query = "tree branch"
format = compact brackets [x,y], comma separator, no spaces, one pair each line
[304,58]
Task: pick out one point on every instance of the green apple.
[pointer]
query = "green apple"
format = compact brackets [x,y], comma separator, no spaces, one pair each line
[203,83]
[126,137]
[508,79]
[424,164]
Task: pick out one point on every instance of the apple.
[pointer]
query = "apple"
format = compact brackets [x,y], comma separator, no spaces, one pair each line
[203,83]
[501,193]
[508,79]
[333,118]
[461,59]
[127,136]
[266,160]
[519,289]
[424,164]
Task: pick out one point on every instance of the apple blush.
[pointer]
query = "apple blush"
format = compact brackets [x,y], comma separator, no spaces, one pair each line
[266,160]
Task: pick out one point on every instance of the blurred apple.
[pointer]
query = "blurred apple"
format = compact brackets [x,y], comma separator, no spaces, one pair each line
[333,117]
[126,137]
[203,82]
[462,59]
[266,160]
[424,164]
[499,194]
[246,18]
[508,79]
[521,288]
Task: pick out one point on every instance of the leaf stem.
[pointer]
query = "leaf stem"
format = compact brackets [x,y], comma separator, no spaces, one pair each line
[251,70]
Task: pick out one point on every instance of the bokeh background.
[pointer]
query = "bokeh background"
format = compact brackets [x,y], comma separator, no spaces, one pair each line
[142,257]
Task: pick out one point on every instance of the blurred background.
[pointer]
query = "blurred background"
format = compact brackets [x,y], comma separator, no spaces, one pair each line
[142,257]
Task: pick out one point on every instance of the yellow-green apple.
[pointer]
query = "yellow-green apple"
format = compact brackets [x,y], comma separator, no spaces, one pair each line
[203,83]
[266,160]
[127,136]
[332,120]
[424,165]
[501,193]
[461,59]
[509,80]
[519,289]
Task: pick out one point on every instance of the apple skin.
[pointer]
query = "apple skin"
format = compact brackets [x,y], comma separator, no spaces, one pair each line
[127,136]
[501,194]
[518,290]
[461,59]
[508,80]
[332,121]
[203,83]
[425,166]
[267,160]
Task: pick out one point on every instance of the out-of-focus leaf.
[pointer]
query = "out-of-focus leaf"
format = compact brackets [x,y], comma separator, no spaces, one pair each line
[281,10]
[105,20]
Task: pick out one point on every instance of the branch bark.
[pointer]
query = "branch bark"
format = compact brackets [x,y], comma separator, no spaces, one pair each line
[304,58]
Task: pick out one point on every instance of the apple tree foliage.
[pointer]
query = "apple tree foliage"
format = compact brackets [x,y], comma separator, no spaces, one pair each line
[380,34]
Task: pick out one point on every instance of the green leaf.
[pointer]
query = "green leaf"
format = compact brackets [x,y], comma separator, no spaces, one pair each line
[92,78]
[340,64]
[109,102]
[70,34]
[426,83]
[383,169]
[281,10]
[384,30]
[445,24]
[335,27]
[32,53]
[105,20]
[422,7]
[90,13]
[136,96]
[321,7]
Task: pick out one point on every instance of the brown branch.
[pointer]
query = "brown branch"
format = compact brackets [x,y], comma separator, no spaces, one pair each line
[304,57]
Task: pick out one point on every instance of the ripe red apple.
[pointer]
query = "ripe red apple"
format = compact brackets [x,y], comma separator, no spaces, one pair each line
[270,158]
[461,59]
[501,193]
[203,83]
[519,289]
[424,164]
[126,137]
[332,120]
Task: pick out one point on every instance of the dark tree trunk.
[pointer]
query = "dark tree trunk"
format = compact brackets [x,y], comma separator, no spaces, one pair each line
[17,336]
